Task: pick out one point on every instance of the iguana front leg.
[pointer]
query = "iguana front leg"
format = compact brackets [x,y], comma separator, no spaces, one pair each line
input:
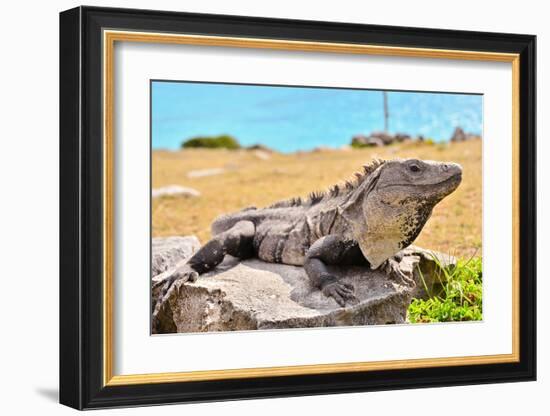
[331,250]
[237,242]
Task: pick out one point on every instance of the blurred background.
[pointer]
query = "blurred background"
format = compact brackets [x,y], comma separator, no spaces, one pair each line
[288,119]
[218,148]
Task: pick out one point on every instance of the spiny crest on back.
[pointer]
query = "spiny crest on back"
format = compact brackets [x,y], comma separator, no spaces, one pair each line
[334,191]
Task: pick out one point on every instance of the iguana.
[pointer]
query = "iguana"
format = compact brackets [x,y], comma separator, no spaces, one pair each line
[365,221]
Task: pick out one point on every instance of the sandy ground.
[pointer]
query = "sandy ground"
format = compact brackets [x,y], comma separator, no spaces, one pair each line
[257,178]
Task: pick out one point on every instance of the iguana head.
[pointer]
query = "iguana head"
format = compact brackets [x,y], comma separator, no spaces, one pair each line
[387,211]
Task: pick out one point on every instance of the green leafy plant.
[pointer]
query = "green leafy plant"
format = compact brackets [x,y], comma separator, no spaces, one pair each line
[459,297]
[212,142]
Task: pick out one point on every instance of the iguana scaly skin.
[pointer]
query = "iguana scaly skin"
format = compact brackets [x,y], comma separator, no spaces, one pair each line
[366,221]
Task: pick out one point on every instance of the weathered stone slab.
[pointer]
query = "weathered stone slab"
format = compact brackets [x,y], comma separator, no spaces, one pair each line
[256,295]
[253,294]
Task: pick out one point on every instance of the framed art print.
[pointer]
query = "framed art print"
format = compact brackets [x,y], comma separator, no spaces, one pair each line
[259,207]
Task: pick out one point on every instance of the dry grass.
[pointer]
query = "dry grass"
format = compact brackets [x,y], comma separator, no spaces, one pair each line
[455,226]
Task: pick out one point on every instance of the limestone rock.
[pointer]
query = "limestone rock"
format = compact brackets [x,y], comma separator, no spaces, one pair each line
[402,137]
[205,172]
[251,294]
[168,252]
[378,139]
[458,135]
[174,190]
[385,137]
[362,140]
[261,147]
[262,155]
[428,273]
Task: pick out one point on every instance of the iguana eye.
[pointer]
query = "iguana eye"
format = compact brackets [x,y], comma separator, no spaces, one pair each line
[414,168]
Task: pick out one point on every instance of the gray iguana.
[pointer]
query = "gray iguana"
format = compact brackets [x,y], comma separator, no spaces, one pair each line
[366,221]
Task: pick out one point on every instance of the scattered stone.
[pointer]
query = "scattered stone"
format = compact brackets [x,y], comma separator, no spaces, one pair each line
[174,190]
[361,140]
[252,294]
[205,172]
[379,139]
[401,137]
[260,147]
[261,154]
[386,138]
[460,136]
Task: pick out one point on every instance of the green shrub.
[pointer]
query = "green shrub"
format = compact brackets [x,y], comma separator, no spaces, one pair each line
[358,145]
[212,142]
[460,298]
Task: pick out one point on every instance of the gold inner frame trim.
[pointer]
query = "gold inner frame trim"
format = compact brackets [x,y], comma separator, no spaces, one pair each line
[110,37]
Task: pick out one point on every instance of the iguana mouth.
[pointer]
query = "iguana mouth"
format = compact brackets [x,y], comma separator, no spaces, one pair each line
[457,177]
[453,180]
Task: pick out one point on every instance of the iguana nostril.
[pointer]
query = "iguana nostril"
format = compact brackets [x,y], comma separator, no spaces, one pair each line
[445,167]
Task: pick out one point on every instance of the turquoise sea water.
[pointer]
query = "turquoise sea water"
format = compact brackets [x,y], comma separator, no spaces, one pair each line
[296,118]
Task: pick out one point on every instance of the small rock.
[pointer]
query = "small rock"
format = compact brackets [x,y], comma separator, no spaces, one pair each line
[379,138]
[205,172]
[402,137]
[363,140]
[260,147]
[458,135]
[260,154]
[174,190]
[386,138]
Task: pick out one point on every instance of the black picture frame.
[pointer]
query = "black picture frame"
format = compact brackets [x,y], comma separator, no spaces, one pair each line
[81,215]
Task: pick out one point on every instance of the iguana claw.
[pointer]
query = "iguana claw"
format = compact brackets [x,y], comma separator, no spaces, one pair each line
[184,273]
[340,292]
